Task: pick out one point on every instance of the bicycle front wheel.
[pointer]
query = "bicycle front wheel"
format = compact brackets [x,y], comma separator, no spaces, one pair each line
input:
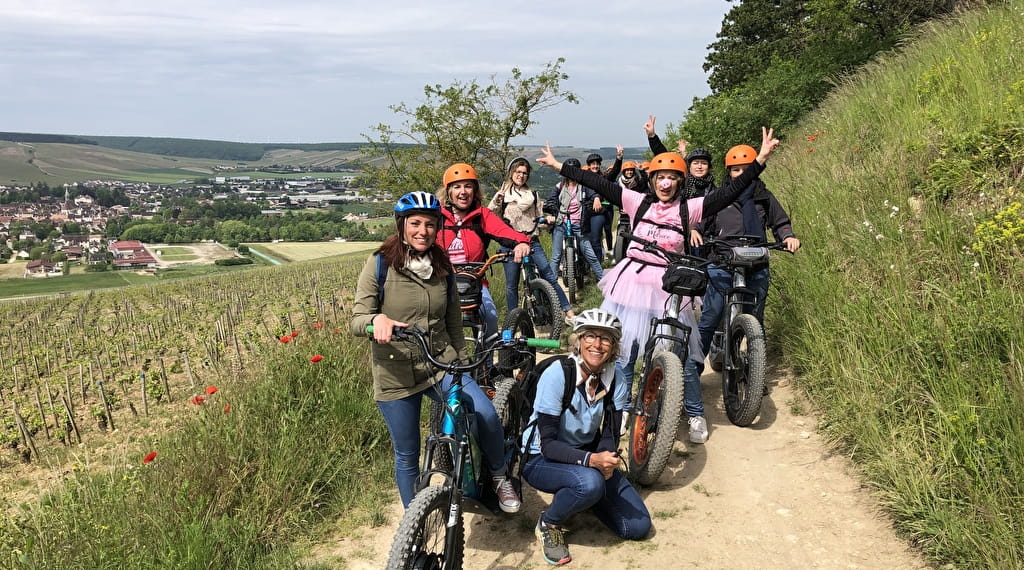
[569,274]
[743,376]
[545,310]
[655,417]
[422,540]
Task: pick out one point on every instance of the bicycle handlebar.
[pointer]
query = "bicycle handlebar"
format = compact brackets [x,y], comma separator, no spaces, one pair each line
[667,254]
[416,334]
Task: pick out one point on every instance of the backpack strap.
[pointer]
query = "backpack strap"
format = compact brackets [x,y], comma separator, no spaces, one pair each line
[382,275]
[645,204]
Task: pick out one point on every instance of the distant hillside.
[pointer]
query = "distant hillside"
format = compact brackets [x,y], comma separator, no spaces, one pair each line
[191,148]
[58,159]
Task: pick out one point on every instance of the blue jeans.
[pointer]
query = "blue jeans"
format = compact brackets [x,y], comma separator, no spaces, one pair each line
[558,245]
[403,420]
[544,269]
[577,488]
[719,282]
[598,221]
[693,399]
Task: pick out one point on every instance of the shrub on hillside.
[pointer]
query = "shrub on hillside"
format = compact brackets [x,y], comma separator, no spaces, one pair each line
[234,261]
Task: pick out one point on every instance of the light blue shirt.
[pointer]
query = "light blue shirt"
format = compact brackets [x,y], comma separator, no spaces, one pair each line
[576,429]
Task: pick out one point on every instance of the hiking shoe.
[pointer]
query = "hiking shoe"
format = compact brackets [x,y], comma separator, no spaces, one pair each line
[552,543]
[698,429]
[508,501]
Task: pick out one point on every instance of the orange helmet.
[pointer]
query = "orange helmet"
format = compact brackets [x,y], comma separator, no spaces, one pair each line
[459,171]
[668,161]
[645,165]
[740,154]
[628,165]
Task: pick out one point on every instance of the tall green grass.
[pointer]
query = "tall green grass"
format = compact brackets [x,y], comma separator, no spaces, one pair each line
[902,314]
[301,445]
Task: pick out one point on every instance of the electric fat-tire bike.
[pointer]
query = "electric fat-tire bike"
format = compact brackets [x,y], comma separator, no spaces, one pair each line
[658,399]
[738,348]
[538,300]
[572,267]
[431,534]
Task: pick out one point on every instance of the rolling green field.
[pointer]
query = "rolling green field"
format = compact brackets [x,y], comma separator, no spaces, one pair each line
[76,282]
[304,251]
[59,163]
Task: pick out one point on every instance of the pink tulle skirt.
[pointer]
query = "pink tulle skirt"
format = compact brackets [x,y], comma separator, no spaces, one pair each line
[636,297]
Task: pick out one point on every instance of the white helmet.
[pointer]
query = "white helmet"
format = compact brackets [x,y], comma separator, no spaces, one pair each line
[598,319]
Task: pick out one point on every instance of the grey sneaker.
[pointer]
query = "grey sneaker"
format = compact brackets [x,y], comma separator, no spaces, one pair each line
[508,501]
[698,429]
[552,543]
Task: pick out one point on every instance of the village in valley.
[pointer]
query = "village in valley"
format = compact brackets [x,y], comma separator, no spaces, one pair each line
[50,233]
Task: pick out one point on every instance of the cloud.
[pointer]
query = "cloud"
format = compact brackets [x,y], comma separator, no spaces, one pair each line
[324,71]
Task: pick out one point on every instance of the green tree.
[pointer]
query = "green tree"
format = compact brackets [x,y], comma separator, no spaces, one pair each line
[463,122]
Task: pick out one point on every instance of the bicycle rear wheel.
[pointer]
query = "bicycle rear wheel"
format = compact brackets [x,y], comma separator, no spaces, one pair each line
[655,417]
[420,541]
[544,308]
[743,376]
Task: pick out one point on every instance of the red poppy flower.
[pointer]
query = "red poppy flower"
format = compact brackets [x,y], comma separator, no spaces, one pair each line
[149,458]
[295,334]
[198,400]
[318,325]
[227,409]
[810,150]
[316,358]
[211,390]
[286,339]
[337,331]
[812,138]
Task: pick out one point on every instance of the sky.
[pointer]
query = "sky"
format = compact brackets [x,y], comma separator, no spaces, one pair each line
[307,71]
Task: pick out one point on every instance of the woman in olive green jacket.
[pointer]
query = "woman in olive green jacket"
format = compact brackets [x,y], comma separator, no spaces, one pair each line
[415,292]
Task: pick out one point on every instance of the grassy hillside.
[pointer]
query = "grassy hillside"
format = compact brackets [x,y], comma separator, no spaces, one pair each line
[902,313]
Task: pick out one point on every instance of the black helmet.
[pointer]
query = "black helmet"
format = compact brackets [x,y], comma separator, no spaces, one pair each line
[593,157]
[572,162]
[698,153]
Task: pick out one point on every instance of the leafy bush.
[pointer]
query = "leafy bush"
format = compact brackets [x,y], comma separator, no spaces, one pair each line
[234,261]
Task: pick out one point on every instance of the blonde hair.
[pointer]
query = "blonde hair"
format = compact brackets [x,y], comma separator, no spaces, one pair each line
[478,194]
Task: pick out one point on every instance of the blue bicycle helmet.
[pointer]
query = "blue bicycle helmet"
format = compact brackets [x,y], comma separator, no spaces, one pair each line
[418,202]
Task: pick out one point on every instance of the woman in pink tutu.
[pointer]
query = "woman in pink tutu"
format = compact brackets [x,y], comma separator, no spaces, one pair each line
[632,289]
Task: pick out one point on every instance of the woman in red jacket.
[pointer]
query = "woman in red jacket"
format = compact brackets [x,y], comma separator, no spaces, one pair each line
[469,227]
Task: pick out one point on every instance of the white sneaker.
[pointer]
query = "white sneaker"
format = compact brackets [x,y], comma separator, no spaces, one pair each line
[698,429]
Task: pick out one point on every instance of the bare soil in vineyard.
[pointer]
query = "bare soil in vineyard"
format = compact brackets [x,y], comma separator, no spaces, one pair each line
[774,495]
[196,253]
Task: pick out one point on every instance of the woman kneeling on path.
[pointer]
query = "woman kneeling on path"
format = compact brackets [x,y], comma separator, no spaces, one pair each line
[572,450]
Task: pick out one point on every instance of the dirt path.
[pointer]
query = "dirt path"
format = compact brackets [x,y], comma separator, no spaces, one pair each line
[768,496]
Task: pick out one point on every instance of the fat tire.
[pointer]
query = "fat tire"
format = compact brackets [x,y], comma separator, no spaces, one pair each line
[443,459]
[619,249]
[547,312]
[509,405]
[653,433]
[743,382]
[420,539]
[569,275]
